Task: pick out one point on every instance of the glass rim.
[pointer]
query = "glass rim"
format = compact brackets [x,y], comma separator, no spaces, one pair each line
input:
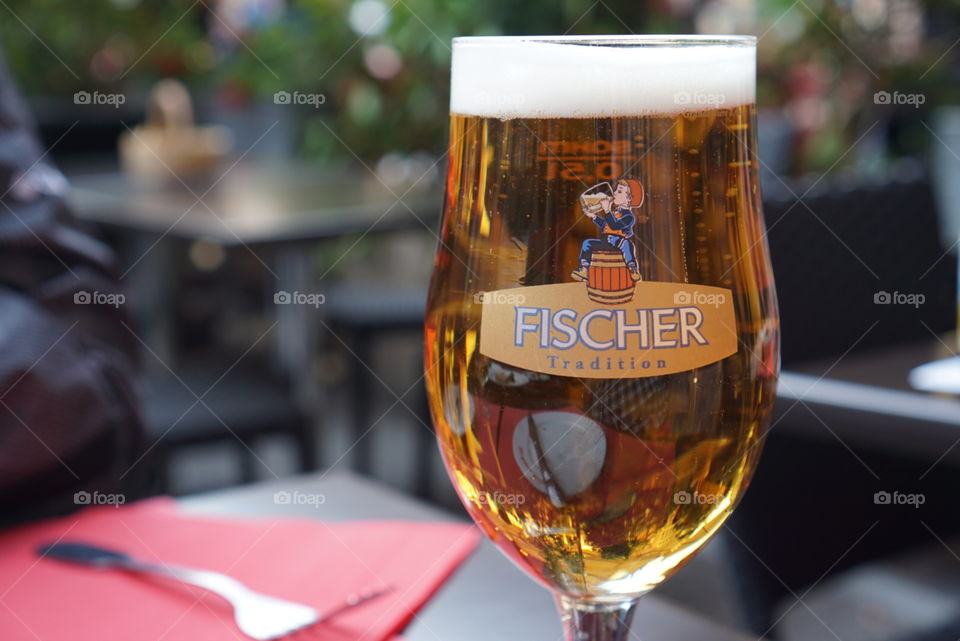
[645,40]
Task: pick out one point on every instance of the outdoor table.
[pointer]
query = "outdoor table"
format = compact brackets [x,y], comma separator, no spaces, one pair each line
[866,399]
[487,598]
[277,211]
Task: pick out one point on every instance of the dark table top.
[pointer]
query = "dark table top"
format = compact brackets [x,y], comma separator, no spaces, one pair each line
[487,598]
[887,367]
[255,203]
[866,398]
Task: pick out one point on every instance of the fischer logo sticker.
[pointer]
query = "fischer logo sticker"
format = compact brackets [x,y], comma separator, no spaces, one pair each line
[609,323]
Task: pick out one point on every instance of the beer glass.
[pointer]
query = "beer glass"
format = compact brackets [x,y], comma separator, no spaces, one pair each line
[601,344]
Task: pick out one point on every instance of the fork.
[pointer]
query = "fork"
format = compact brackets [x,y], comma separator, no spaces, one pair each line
[259,616]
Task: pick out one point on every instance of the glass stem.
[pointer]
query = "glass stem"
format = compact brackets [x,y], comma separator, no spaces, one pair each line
[592,621]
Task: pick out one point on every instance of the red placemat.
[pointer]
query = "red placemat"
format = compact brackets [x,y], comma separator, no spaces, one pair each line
[313,562]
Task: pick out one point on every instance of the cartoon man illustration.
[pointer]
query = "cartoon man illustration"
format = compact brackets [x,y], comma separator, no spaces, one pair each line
[616,227]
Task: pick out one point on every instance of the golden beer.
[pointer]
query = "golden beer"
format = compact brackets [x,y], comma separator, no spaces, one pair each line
[601,476]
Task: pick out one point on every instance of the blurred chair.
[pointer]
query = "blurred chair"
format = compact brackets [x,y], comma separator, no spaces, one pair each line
[246,405]
[909,597]
[362,316]
[810,500]
[945,167]
[837,250]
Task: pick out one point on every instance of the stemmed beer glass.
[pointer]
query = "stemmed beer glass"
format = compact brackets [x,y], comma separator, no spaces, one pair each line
[602,332]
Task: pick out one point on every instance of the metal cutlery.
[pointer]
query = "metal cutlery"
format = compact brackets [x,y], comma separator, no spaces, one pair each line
[257,615]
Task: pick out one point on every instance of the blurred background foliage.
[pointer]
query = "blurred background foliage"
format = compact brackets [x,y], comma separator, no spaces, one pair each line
[382,65]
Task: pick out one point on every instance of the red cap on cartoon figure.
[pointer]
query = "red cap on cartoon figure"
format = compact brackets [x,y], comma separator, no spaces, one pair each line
[636,191]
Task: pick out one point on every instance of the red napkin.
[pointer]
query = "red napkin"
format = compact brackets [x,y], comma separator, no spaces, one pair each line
[312,562]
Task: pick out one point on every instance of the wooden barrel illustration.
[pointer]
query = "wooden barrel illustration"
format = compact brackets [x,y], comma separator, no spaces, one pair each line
[608,279]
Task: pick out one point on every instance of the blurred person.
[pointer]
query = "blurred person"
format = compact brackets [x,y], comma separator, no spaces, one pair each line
[69,422]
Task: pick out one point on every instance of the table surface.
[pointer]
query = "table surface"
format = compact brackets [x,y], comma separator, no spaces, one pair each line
[255,203]
[887,367]
[487,598]
[866,398]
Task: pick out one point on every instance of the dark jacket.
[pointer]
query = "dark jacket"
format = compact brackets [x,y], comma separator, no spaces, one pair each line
[68,411]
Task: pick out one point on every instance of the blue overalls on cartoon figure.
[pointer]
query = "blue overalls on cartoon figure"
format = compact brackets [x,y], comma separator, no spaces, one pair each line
[616,227]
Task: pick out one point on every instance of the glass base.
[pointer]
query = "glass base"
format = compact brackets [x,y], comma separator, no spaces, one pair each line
[593,621]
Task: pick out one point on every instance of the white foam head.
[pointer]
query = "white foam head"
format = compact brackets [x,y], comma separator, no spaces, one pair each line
[579,77]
